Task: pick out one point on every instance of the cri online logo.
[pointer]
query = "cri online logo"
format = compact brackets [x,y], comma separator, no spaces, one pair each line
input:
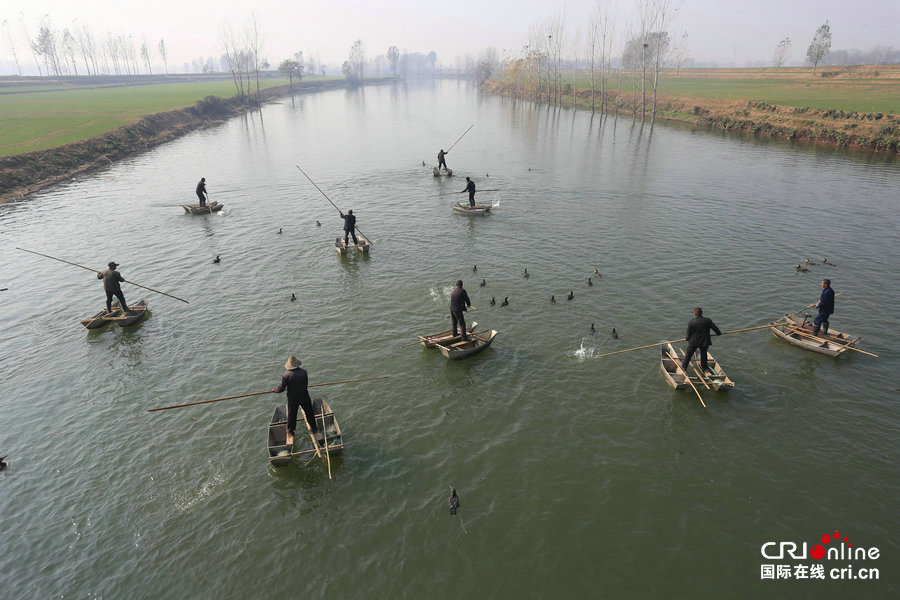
[840,549]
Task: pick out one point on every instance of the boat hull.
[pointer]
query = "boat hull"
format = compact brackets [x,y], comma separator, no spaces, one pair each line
[444,337]
[341,247]
[280,452]
[196,209]
[476,343]
[798,332]
[463,208]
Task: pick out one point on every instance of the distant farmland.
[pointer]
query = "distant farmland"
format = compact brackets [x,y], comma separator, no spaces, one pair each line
[861,89]
[46,115]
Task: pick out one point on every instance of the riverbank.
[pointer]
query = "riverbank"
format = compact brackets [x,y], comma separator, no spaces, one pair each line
[753,102]
[26,173]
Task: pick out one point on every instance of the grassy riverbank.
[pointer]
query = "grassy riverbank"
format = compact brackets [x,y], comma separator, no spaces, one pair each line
[845,106]
[45,115]
[74,131]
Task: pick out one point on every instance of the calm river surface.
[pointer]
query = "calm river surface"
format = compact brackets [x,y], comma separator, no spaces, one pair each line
[579,476]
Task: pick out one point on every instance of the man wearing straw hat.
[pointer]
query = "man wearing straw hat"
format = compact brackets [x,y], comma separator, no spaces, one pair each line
[111,279]
[295,381]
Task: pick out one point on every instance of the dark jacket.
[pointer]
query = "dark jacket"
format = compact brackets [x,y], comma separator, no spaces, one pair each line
[349,221]
[698,332]
[295,382]
[470,187]
[441,157]
[201,188]
[459,299]
[826,301]
[111,279]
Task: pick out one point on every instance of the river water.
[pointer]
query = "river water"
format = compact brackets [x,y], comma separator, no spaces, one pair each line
[579,476]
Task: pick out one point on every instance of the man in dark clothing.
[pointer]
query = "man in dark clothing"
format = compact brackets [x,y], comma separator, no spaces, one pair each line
[698,337]
[349,226]
[201,191]
[441,160]
[459,300]
[470,187]
[111,279]
[826,307]
[295,381]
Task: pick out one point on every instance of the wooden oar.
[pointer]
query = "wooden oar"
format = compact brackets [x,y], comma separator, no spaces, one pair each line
[329,200]
[96,271]
[460,137]
[687,378]
[258,394]
[309,431]
[800,331]
[683,340]
[696,370]
[325,437]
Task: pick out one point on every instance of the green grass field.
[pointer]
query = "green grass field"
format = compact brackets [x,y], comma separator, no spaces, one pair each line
[788,87]
[37,120]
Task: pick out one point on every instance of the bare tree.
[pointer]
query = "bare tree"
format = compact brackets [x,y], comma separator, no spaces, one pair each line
[163,53]
[46,45]
[12,46]
[68,47]
[254,36]
[393,54]
[85,41]
[233,53]
[680,52]
[781,52]
[146,52]
[357,60]
[32,47]
[292,68]
[820,46]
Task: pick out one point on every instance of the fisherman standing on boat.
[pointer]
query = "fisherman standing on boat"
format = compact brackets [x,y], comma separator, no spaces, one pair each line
[698,338]
[442,160]
[470,187]
[349,226]
[295,381]
[201,191]
[111,279]
[459,301]
[826,307]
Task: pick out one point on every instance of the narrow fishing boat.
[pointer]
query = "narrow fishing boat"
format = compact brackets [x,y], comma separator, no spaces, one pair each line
[134,313]
[715,378]
[341,247]
[444,337]
[437,172]
[103,318]
[464,208]
[798,332]
[475,344]
[196,209]
[280,452]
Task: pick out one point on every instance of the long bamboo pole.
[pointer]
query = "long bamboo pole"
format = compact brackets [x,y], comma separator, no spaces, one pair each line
[460,137]
[696,370]
[329,200]
[325,437]
[810,306]
[309,431]
[683,340]
[258,394]
[96,271]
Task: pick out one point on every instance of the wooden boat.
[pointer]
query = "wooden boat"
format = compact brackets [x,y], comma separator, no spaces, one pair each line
[196,209]
[280,452]
[475,344]
[716,379]
[103,318]
[464,208]
[134,313]
[444,337]
[342,247]
[798,332]
[437,172]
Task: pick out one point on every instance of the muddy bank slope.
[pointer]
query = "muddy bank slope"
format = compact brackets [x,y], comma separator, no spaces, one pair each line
[24,174]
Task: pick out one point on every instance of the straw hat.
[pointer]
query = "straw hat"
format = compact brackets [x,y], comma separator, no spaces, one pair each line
[292,363]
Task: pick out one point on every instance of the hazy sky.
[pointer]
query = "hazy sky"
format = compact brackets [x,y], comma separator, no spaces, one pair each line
[719,30]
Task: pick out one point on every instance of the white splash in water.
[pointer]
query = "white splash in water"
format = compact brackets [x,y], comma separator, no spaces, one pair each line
[442,295]
[584,352]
